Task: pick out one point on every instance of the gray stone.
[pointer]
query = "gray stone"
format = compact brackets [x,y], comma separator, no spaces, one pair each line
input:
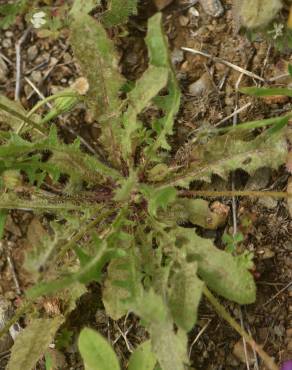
[259,180]
[36,76]
[32,52]
[268,202]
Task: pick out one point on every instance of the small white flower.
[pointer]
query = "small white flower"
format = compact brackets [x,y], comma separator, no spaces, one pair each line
[38,19]
[277,31]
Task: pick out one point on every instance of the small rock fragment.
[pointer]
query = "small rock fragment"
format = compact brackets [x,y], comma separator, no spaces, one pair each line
[177,56]
[267,253]
[161,4]
[259,180]
[7,43]
[36,76]
[239,353]
[32,52]
[201,86]
[184,21]
[212,7]
[268,202]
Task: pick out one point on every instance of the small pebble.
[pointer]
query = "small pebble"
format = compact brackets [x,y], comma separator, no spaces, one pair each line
[183,20]
[36,76]
[268,202]
[32,52]
[9,34]
[201,86]
[7,43]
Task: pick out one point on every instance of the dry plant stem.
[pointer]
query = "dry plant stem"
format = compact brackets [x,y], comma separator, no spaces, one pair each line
[235,193]
[222,61]
[18,63]
[269,362]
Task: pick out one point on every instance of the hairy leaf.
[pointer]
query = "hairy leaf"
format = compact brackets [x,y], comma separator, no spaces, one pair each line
[159,56]
[113,295]
[226,153]
[142,358]
[96,352]
[266,91]
[146,88]
[225,274]
[67,159]
[196,211]
[7,118]
[9,12]
[119,11]
[154,312]
[31,344]
[127,186]
[97,58]
[99,63]
[185,295]
[169,347]
[159,198]
[83,6]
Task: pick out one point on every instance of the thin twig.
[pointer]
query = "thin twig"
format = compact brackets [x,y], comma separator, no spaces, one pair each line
[124,335]
[269,362]
[222,61]
[277,294]
[18,63]
[198,336]
[234,210]
[237,193]
[233,114]
[244,341]
[6,59]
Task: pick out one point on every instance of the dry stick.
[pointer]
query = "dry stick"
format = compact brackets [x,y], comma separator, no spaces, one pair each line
[236,193]
[222,61]
[234,210]
[233,114]
[269,362]
[277,294]
[18,63]
[201,332]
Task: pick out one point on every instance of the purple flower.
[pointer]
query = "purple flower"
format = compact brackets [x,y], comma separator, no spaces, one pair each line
[287,365]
